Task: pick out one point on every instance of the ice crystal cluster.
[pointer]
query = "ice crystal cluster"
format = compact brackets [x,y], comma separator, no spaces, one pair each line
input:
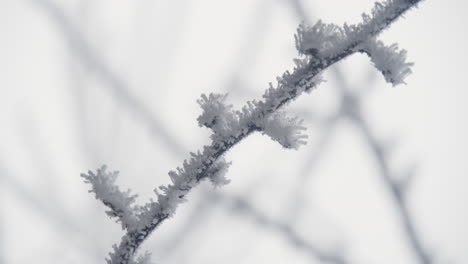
[120,203]
[285,130]
[224,121]
[389,60]
[216,114]
[320,39]
[320,46]
[324,41]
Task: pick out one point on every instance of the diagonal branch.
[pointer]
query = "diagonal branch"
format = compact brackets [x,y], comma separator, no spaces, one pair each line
[337,44]
[285,230]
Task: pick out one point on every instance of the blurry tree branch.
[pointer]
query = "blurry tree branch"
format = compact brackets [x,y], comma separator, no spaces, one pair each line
[97,65]
[61,222]
[350,108]
[397,191]
[243,206]
[90,58]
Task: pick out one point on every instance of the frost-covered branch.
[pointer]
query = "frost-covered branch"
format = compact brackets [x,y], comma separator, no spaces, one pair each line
[323,45]
[285,130]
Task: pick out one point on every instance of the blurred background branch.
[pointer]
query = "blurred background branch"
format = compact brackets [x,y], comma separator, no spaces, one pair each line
[116,84]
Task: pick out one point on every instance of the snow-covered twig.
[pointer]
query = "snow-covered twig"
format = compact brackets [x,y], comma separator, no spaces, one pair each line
[323,45]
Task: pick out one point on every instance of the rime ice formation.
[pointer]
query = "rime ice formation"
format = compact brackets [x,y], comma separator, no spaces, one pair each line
[285,130]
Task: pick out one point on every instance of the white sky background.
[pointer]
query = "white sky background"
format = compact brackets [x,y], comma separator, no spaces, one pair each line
[59,116]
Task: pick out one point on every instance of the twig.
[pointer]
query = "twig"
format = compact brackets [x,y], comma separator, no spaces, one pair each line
[68,29]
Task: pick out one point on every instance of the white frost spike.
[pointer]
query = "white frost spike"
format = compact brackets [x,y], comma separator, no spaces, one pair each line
[318,40]
[389,60]
[286,130]
[105,189]
[217,173]
[213,109]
